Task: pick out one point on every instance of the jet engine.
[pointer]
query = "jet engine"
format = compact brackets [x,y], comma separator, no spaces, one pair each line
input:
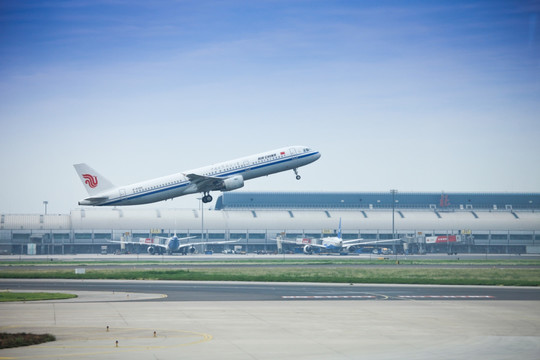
[308,249]
[151,250]
[232,183]
[191,250]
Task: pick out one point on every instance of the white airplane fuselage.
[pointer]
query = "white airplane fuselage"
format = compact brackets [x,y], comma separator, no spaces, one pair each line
[332,243]
[225,176]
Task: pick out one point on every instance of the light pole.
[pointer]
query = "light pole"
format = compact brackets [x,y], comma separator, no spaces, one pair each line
[203,247]
[393,192]
[45,203]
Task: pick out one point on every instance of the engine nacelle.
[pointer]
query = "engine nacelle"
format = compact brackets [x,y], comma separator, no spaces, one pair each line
[308,249]
[232,183]
[191,250]
[151,250]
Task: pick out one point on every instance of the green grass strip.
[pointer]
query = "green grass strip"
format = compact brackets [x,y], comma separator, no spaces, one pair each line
[325,274]
[33,296]
[322,260]
[23,339]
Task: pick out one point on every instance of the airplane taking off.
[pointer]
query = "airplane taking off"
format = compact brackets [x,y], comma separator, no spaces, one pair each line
[160,244]
[225,176]
[337,244]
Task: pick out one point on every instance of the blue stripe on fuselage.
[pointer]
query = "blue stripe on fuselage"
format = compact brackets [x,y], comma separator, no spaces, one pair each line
[222,175]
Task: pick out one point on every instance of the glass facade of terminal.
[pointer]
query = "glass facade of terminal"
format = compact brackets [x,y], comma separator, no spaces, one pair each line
[378,200]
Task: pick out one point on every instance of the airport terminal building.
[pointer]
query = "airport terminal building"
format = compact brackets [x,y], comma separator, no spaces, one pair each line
[425,222]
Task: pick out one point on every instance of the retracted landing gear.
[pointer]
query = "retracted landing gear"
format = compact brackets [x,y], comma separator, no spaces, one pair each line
[298,177]
[207,198]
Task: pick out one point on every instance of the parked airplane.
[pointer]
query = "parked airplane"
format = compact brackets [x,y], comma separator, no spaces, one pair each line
[225,176]
[337,244]
[160,244]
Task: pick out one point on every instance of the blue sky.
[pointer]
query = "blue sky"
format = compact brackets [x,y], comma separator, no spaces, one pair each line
[416,96]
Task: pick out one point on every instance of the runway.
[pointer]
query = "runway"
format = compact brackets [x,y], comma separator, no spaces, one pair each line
[246,291]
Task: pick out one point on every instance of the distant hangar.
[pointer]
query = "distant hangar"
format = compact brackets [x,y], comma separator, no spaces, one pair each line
[487,222]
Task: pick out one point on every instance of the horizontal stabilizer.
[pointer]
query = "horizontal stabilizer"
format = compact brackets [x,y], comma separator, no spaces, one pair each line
[93,200]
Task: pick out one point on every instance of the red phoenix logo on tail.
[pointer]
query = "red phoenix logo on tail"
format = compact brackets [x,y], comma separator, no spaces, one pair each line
[90,180]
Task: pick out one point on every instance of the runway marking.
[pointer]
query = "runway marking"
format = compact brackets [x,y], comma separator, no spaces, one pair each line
[384,297]
[446,297]
[329,297]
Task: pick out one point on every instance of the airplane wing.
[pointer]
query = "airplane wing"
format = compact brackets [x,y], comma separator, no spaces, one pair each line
[142,241]
[356,242]
[300,244]
[164,238]
[352,241]
[163,244]
[316,245]
[205,183]
[208,243]
[129,242]
[160,241]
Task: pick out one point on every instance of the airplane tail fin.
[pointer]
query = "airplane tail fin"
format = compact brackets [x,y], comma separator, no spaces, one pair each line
[93,182]
[339,230]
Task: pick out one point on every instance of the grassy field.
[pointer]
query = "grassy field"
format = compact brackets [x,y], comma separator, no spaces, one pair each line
[516,272]
[328,274]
